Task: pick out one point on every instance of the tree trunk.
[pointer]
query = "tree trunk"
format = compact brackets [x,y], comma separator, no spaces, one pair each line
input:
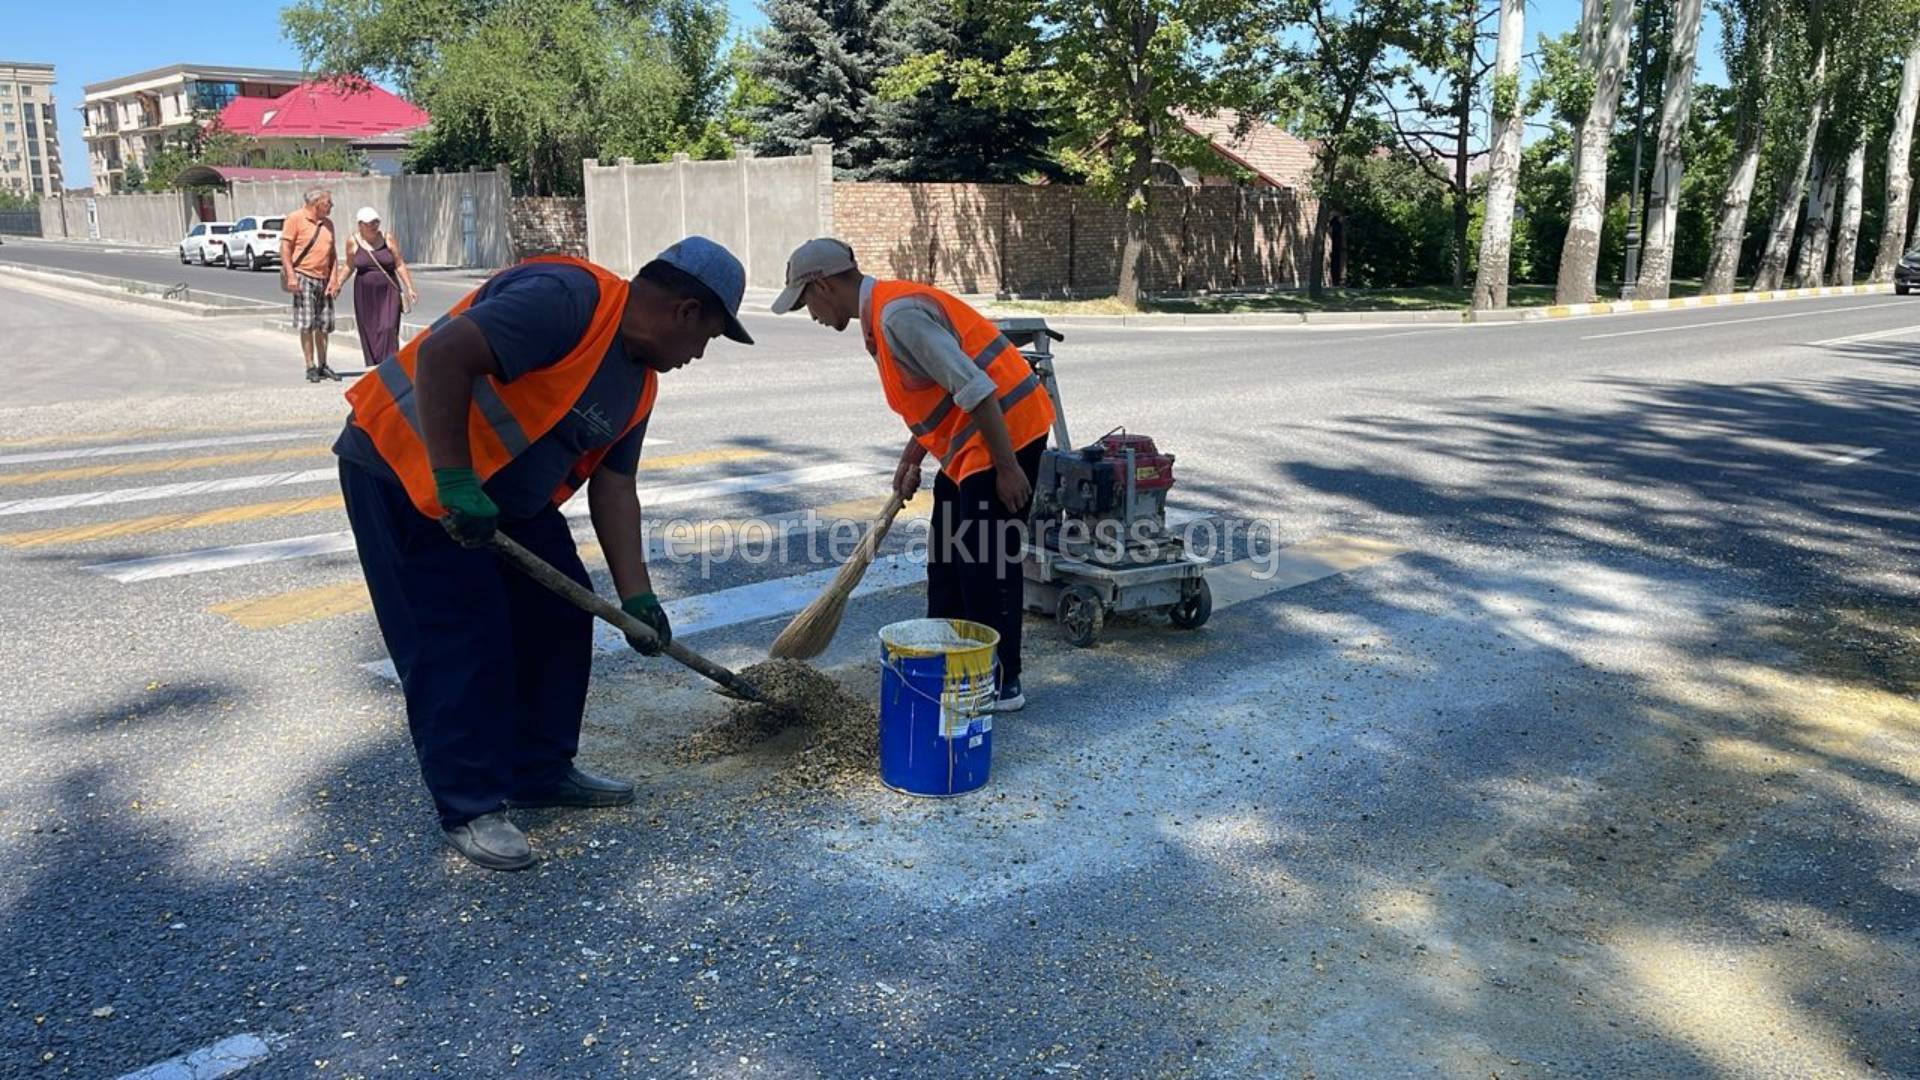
[1322,219]
[1503,178]
[1893,232]
[1463,132]
[1846,240]
[1811,262]
[1663,204]
[1133,246]
[1580,256]
[1723,261]
[1786,215]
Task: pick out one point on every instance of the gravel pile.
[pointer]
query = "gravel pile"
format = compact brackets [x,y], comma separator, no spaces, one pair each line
[840,731]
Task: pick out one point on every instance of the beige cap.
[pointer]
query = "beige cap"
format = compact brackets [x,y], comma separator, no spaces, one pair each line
[810,262]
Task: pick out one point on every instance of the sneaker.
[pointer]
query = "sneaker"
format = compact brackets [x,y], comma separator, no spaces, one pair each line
[492,841]
[313,374]
[579,788]
[328,373]
[1010,699]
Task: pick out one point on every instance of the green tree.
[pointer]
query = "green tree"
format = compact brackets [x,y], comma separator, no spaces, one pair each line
[927,129]
[816,63]
[539,84]
[1334,78]
[133,179]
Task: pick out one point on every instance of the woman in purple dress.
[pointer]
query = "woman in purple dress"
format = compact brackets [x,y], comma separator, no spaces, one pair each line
[379,278]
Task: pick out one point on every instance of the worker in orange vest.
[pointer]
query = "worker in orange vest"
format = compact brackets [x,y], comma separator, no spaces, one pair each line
[970,401]
[537,382]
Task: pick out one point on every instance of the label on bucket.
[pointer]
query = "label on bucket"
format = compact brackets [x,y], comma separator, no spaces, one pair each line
[964,709]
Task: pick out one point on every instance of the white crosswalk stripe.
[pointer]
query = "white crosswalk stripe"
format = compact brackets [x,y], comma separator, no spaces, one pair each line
[205,560]
[81,453]
[750,603]
[152,492]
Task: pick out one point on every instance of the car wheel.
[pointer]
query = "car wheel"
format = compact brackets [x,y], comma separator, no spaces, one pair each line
[1901,289]
[183,256]
[226,258]
[249,263]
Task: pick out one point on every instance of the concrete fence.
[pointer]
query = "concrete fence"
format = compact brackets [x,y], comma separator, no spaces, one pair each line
[449,219]
[1023,240]
[760,208]
[159,219]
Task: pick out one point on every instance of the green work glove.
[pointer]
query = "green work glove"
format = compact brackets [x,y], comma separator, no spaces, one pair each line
[646,607]
[471,517]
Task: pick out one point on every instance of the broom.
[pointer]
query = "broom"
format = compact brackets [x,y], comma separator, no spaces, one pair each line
[808,635]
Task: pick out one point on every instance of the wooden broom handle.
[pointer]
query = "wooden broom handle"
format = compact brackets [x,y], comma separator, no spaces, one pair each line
[592,602]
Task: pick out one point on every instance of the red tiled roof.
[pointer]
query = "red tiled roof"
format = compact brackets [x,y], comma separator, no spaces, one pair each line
[1278,158]
[327,108]
[241,172]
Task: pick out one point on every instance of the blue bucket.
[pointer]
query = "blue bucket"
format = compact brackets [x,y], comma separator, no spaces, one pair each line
[937,691]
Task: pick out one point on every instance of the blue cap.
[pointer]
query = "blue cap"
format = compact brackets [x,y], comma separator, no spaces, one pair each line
[715,267]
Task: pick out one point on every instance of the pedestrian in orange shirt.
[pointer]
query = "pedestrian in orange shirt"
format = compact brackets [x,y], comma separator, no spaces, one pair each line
[308,253]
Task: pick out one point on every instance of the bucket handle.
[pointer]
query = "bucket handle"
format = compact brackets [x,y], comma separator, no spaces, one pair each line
[905,682]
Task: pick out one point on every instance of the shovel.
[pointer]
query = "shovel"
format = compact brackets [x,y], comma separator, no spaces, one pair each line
[593,603]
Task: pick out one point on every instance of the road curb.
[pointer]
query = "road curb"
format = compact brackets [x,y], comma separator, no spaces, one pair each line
[1680,303]
[1445,317]
[132,291]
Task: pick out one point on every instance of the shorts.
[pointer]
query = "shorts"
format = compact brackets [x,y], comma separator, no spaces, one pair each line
[312,307]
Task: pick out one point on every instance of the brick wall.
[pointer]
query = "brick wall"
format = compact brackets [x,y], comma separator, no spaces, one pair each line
[547,226]
[1060,240]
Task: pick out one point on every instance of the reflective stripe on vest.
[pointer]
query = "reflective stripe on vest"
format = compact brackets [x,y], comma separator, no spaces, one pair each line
[506,417]
[930,413]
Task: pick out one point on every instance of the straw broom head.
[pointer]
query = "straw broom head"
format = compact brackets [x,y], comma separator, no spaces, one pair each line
[811,631]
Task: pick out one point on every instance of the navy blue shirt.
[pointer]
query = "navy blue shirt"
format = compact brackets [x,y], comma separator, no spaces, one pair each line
[532,316]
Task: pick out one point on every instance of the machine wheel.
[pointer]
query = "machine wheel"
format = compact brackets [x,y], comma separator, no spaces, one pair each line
[1193,609]
[1081,615]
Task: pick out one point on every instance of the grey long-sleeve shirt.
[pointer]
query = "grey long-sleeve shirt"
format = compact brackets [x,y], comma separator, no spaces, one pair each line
[926,348]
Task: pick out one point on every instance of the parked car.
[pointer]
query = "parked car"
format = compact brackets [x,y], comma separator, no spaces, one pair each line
[254,243]
[206,242]
[1907,274]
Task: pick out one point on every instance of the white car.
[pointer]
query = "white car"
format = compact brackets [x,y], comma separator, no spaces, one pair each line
[205,243]
[254,243]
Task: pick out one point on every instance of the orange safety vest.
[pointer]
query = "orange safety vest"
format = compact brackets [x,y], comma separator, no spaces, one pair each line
[946,430]
[507,417]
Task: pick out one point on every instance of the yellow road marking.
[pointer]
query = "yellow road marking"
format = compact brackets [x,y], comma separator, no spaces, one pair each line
[1310,560]
[275,610]
[228,515]
[869,507]
[298,606]
[121,434]
[134,468]
[157,523]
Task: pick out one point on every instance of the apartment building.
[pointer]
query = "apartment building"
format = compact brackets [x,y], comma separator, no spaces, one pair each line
[29,139]
[128,120]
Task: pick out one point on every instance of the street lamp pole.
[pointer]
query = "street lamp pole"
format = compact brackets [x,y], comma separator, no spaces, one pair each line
[1631,275]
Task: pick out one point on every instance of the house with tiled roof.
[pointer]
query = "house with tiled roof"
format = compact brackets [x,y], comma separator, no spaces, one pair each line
[1265,156]
[331,114]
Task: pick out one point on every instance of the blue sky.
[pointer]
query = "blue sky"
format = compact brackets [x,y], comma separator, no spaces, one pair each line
[247,33]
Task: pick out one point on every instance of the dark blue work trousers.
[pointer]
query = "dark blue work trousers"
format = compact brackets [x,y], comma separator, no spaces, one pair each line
[494,665]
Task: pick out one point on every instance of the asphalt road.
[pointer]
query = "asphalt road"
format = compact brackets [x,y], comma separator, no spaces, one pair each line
[1574,736]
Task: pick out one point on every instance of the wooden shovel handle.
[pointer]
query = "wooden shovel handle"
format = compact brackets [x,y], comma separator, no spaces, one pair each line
[592,602]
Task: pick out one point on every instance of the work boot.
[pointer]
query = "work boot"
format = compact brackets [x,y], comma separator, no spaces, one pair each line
[492,841]
[579,788]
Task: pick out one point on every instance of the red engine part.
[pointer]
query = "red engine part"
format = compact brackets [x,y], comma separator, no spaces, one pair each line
[1152,470]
